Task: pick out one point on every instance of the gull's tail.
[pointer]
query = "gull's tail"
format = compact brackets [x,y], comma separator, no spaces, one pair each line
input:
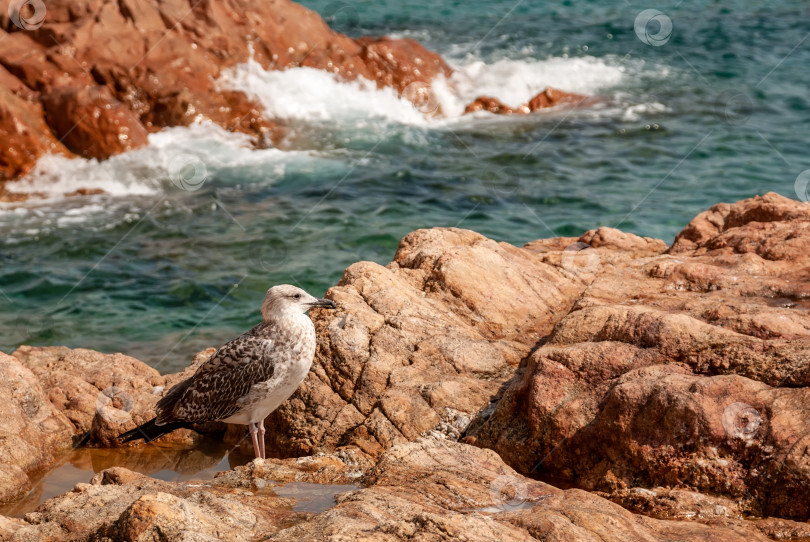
[149,431]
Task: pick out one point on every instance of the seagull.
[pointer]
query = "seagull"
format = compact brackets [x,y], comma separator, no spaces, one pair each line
[247,378]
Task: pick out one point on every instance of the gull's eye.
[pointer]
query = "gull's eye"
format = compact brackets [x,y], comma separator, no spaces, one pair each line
[297,296]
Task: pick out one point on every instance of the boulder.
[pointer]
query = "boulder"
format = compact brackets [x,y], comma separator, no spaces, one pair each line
[100,76]
[92,123]
[102,395]
[489,104]
[434,489]
[549,97]
[32,429]
[26,135]
[683,369]
[421,344]
[430,489]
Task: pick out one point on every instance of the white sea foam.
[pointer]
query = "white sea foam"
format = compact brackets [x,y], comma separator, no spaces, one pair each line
[148,171]
[307,94]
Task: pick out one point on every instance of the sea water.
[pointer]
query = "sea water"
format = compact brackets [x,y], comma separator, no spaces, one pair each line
[699,103]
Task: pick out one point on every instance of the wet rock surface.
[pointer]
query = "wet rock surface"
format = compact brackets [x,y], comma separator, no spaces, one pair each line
[549,97]
[93,78]
[432,489]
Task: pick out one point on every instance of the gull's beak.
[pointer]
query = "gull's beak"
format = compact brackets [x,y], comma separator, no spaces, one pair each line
[325,303]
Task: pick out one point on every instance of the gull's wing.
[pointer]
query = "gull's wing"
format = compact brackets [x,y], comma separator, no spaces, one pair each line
[227,376]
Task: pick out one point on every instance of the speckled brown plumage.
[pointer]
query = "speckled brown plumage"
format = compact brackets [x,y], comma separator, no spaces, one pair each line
[247,378]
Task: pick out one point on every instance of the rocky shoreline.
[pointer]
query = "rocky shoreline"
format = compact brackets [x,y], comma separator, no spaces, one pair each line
[93,79]
[460,385]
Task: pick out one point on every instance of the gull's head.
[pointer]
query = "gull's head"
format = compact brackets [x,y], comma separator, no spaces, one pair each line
[286,300]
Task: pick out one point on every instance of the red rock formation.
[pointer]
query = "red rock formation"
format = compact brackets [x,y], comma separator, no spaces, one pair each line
[673,381]
[109,72]
[686,368]
[488,103]
[90,122]
[550,97]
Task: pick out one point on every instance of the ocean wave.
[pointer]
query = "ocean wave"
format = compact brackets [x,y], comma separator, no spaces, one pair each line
[181,157]
[313,103]
[311,95]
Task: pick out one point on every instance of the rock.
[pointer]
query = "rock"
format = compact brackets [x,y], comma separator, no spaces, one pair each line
[550,97]
[490,104]
[686,368]
[400,63]
[25,134]
[119,504]
[92,123]
[432,489]
[101,394]
[108,73]
[32,430]
[761,216]
[421,344]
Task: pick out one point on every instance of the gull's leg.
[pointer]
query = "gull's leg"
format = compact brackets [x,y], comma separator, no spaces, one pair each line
[261,437]
[253,434]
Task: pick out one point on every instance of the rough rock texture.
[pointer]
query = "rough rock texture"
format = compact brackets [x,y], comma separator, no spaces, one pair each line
[31,431]
[431,489]
[93,78]
[435,489]
[672,381]
[422,343]
[109,72]
[104,395]
[688,368]
[550,97]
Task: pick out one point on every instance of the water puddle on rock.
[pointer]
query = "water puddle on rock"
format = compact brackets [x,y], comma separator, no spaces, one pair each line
[171,464]
[310,497]
[163,463]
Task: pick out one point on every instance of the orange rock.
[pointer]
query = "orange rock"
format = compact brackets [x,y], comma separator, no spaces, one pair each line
[678,367]
[488,103]
[92,123]
[550,97]
[108,73]
[25,134]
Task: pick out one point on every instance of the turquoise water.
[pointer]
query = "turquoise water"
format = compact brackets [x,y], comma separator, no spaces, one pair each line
[718,112]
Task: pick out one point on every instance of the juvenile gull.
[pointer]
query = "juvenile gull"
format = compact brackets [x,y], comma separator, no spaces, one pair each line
[249,377]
